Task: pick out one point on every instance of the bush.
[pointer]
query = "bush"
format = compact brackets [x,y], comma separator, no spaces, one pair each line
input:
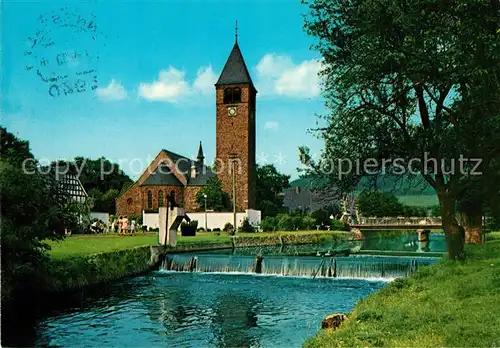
[227,227]
[269,223]
[200,229]
[285,222]
[410,211]
[298,222]
[338,225]
[245,226]
[322,216]
[308,223]
[217,229]
[209,230]
[151,229]
[189,228]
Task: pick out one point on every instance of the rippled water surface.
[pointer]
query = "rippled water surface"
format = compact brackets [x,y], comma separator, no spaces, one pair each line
[202,310]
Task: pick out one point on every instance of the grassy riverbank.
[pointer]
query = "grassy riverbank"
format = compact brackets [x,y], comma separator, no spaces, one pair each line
[80,261]
[452,304]
[82,245]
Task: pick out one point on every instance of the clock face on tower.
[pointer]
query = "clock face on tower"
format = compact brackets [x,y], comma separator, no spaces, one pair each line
[232,111]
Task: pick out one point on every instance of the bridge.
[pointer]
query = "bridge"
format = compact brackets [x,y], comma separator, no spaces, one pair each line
[423,225]
[399,223]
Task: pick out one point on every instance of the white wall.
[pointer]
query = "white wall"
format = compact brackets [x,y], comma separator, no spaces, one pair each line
[214,219]
[151,220]
[104,217]
[218,220]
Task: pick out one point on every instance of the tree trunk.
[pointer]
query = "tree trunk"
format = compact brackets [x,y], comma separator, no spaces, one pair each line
[454,233]
[473,228]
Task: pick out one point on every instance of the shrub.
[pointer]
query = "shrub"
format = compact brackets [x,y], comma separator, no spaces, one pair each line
[246,226]
[228,227]
[217,229]
[151,229]
[298,222]
[322,215]
[200,229]
[308,223]
[410,210]
[209,230]
[338,225]
[269,223]
[189,228]
[285,222]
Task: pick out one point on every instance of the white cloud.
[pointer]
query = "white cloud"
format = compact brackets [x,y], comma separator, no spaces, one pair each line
[205,80]
[277,74]
[172,85]
[271,125]
[272,65]
[113,91]
[169,87]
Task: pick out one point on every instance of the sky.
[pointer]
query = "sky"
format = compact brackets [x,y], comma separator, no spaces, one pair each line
[126,79]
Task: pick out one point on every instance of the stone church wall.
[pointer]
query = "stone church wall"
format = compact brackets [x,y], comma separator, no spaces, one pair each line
[130,202]
[190,198]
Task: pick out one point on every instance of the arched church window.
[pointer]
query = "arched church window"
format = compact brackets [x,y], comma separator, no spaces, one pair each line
[232,95]
[161,201]
[228,96]
[150,199]
[237,95]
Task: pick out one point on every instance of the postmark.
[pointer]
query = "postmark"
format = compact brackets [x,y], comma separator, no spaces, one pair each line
[63,54]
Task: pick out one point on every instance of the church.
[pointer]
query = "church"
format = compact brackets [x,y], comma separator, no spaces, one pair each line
[182,178]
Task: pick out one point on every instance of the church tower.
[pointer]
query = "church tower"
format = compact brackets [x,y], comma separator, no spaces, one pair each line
[235,128]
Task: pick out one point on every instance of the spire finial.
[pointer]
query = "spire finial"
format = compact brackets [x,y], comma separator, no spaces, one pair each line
[200,156]
[236,31]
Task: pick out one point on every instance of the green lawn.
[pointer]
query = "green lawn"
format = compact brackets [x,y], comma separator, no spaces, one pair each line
[93,244]
[85,245]
[450,304]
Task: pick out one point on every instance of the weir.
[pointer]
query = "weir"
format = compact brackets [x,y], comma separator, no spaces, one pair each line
[302,266]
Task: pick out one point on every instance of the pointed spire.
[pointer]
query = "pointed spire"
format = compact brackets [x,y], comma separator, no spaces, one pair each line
[236,31]
[200,156]
[235,70]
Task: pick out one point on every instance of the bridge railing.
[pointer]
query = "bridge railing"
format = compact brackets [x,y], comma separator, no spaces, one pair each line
[399,221]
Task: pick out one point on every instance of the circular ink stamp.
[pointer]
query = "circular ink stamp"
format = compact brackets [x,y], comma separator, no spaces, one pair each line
[63,52]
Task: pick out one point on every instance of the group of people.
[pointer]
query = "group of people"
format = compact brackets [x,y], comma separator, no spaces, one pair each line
[123,226]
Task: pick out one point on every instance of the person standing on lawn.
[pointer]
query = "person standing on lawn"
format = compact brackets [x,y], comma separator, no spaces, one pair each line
[120,224]
[132,226]
[125,225]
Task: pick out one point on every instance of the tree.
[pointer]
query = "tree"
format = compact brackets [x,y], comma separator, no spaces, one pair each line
[33,211]
[270,185]
[102,174]
[217,199]
[14,150]
[379,204]
[101,179]
[405,82]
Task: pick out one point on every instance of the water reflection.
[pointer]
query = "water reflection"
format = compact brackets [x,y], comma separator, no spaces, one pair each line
[201,310]
[403,241]
[235,315]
